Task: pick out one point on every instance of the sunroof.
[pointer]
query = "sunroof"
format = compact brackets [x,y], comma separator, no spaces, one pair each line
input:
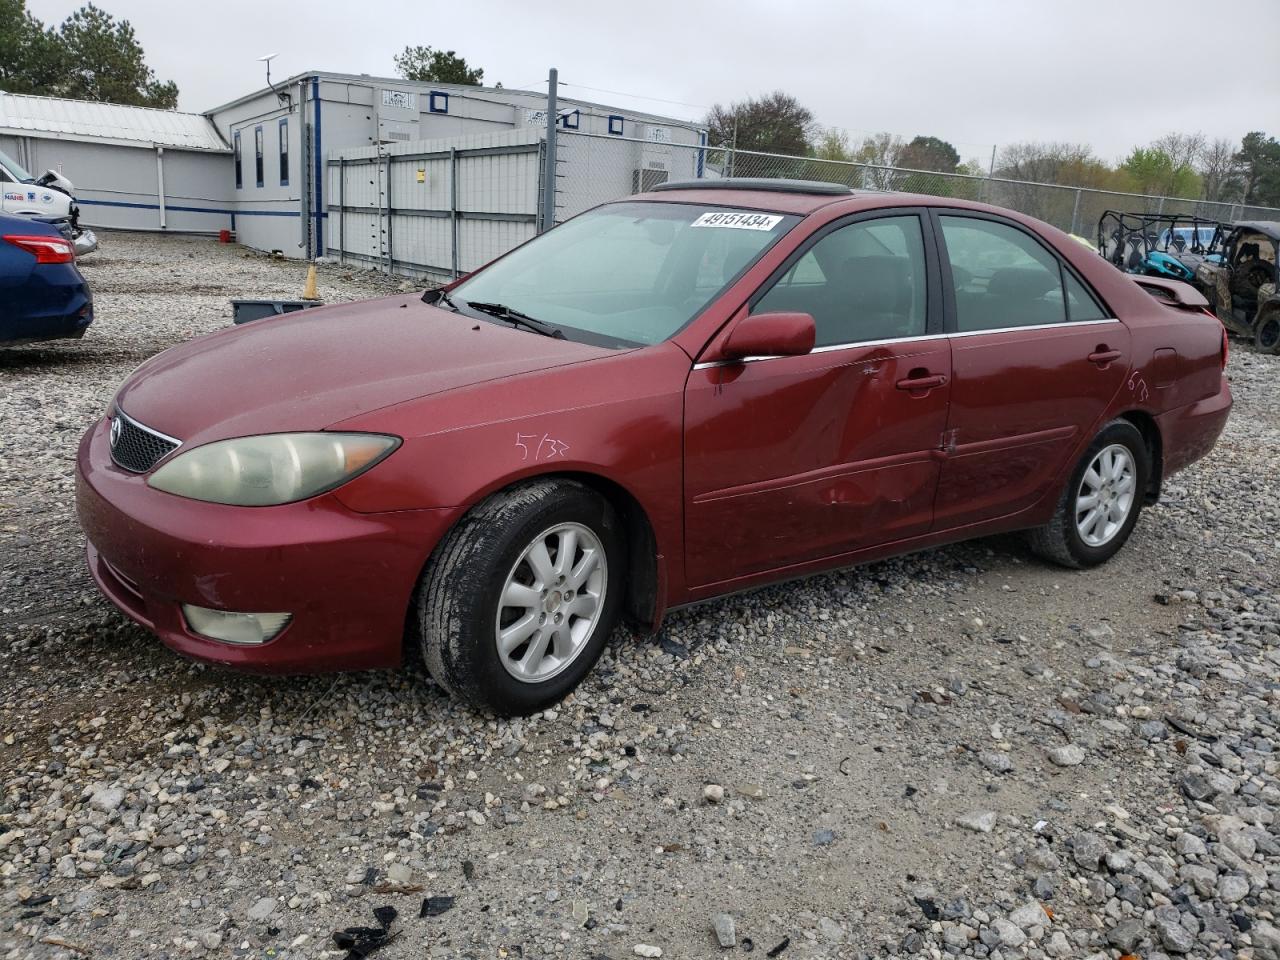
[768,184]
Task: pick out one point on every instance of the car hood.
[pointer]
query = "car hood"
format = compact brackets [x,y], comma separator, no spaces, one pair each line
[313,368]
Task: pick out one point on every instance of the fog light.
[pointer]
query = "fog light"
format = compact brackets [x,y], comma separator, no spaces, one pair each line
[234,627]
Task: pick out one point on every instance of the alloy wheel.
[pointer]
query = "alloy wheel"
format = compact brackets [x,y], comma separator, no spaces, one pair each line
[1106,495]
[551,602]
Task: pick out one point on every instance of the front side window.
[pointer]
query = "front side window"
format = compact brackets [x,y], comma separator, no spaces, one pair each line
[283,128]
[629,273]
[257,151]
[864,281]
[1002,277]
[235,140]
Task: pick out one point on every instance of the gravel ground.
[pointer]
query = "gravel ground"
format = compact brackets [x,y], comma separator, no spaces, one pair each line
[963,752]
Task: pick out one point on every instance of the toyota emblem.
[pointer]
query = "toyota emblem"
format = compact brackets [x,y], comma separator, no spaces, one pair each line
[115,432]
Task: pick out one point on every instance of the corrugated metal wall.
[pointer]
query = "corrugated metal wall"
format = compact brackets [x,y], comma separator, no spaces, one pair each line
[434,208]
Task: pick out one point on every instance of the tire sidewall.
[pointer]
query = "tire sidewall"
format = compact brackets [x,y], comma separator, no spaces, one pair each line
[478,660]
[1117,432]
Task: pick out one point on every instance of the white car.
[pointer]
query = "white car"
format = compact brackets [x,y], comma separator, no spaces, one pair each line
[48,198]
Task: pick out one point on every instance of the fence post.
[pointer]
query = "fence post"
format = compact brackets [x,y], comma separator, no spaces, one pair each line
[342,210]
[453,207]
[549,174]
[1075,213]
[391,257]
[1160,206]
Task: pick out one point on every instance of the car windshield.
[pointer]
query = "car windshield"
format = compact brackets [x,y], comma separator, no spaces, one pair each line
[627,274]
[15,171]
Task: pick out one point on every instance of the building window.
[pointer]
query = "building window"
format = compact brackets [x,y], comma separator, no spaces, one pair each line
[257,154]
[284,151]
[570,120]
[438,102]
[235,140]
[616,125]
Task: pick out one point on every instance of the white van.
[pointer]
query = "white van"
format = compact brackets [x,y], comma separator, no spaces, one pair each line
[47,198]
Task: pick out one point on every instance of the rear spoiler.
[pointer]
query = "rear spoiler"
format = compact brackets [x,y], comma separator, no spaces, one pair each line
[1175,293]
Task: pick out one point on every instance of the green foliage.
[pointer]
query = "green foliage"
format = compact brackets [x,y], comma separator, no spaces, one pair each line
[91,56]
[429,65]
[775,123]
[1259,163]
[1154,171]
[929,153]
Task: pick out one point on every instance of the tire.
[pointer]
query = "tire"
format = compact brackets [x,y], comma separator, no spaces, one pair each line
[1266,335]
[493,554]
[1062,540]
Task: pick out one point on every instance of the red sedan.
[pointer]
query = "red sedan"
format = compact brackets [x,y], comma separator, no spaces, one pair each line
[691,392]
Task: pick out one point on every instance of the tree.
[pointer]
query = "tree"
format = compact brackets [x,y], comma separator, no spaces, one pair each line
[775,123]
[832,144]
[1259,161]
[1219,174]
[929,153]
[30,54]
[1156,172]
[104,61]
[429,65]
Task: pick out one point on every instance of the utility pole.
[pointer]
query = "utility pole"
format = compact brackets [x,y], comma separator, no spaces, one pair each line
[549,174]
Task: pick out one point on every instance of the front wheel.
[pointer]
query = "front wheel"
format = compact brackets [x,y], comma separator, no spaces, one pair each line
[1101,502]
[1266,335]
[517,602]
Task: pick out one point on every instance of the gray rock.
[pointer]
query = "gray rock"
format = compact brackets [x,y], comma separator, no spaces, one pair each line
[1067,755]
[1008,933]
[726,932]
[831,931]
[1197,787]
[1043,887]
[1088,849]
[1189,845]
[263,909]
[107,799]
[1174,937]
[1029,915]
[981,821]
[995,762]
[1126,935]
[1232,888]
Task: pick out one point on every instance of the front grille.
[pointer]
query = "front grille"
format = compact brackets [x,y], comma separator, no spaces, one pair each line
[135,447]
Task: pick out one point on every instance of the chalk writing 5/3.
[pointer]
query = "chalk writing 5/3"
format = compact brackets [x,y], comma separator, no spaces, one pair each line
[535,446]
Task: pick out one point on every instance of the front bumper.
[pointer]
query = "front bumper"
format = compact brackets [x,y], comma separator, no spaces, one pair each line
[347,578]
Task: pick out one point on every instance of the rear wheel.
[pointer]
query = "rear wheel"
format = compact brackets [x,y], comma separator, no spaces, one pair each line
[1266,335]
[1101,502]
[519,599]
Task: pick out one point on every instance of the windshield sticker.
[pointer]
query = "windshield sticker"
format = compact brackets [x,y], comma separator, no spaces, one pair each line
[738,221]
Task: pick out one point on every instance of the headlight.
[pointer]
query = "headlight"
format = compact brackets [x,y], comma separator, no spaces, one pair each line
[271,469]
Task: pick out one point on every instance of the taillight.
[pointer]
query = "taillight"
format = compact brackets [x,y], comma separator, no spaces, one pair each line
[45,249]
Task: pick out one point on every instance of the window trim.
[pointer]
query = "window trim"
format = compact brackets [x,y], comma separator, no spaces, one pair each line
[239,161]
[282,128]
[933,317]
[951,321]
[259,155]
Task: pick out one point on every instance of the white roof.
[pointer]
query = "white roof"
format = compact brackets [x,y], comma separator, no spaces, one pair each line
[106,123]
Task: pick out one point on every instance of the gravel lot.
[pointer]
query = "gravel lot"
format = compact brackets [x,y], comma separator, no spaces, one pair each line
[963,752]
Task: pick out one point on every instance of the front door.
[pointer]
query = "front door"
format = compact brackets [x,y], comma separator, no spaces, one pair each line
[792,459]
[1036,362]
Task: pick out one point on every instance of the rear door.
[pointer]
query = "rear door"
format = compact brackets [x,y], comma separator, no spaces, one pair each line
[792,459]
[1036,362]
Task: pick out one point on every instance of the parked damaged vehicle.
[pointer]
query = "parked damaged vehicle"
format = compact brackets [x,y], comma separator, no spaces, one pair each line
[48,198]
[1158,244]
[695,391]
[43,296]
[1242,286]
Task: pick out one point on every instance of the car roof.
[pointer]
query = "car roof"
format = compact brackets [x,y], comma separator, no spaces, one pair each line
[1270,228]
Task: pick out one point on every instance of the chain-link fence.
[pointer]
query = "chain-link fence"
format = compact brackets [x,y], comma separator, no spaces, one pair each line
[594,169]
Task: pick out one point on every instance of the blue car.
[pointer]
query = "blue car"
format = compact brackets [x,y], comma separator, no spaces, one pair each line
[42,294]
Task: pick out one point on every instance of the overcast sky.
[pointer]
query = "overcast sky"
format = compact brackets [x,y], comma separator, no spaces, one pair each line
[978,73]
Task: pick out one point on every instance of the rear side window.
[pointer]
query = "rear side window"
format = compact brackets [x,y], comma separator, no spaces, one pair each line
[864,281]
[1080,303]
[1002,277]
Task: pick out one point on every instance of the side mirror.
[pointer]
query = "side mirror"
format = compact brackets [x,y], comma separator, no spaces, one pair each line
[771,335]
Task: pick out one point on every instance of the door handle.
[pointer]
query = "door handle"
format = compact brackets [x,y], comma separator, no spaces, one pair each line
[1102,356]
[923,381]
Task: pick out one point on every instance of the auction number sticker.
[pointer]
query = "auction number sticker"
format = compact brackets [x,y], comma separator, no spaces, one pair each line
[738,221]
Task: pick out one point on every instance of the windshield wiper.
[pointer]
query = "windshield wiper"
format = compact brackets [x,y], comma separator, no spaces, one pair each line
[439,297]
[516,318]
